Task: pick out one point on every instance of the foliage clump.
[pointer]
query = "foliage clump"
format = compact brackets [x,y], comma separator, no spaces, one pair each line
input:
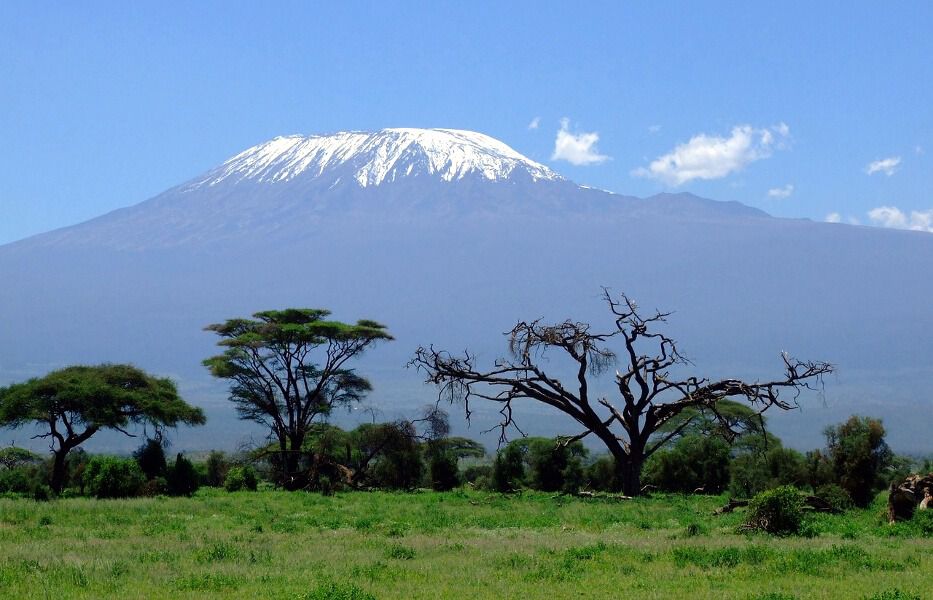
[545,464]
[111,477]
[778,511]
[922,522]
[694,463]
[859,455]
[838,499]
[151,459]
[22,472]
[241,478]
[444,473]
[215,469]
[756,471]
[508,470]
[182,478]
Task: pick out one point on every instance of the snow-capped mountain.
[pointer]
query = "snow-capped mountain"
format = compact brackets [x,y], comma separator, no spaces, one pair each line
[450,237]
[286,187]
[370,159]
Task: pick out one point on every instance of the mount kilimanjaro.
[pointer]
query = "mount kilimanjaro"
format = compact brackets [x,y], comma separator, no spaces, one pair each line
[449,237]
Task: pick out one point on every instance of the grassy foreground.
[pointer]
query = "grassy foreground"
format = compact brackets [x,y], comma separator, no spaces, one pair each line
[443,545]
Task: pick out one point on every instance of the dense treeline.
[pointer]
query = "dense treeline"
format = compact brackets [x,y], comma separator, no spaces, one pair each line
[855,464]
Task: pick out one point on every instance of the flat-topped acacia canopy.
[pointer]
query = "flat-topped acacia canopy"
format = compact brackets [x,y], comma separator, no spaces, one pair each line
[76,402]
[287,368]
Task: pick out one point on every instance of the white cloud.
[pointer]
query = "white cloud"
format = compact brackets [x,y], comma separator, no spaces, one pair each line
[833,217]
[714,157]
[918,150]
[888,166]
[534,123]
[654,129]
[891,216]
[781,192]
[577,149]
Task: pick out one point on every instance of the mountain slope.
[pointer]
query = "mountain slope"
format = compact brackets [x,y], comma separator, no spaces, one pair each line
[289,186]
[453,251]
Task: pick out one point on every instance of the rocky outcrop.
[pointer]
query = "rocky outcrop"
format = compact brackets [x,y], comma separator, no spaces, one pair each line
[906,497]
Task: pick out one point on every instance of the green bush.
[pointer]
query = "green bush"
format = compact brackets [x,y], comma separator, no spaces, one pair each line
[155,487]
[111,477]
[182,477]
[543,464]
[400,552]
[819,468]
[508,470]
[694,462]
[42,493]
[444,474]
[399,469]
[601,474]
[483,482]
[835,496]
[325,485]
[756,472]
[923,522]
[396,456]
[473,473]
[216,468]
[151,459]
[778,511]
[554,466]
[75,464]
[241,478]
[21,480]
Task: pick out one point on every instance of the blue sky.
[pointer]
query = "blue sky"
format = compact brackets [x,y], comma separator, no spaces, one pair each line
[786,108]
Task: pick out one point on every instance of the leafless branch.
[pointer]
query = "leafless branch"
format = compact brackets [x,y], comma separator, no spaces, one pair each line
[650,396]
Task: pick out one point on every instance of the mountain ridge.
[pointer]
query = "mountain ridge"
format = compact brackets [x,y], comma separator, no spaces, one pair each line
[292,183]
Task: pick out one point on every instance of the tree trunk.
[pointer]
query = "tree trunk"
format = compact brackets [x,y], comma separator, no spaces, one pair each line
[628,473]
[294,478]
[291,471]
[284,472]
[58,471]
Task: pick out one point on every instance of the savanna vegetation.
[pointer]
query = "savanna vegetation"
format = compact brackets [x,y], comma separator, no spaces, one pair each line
[458,544]
[686,493]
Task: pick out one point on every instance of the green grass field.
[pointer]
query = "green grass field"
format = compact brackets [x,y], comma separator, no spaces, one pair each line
[444,545]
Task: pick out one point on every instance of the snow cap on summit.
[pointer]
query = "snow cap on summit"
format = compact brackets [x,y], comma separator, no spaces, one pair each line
[375,158]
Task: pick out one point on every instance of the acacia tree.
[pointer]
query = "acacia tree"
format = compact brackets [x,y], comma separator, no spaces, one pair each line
[74,403]
[288,368]
[650,396]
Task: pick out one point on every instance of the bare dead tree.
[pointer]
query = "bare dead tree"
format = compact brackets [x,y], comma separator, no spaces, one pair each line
[650,396]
